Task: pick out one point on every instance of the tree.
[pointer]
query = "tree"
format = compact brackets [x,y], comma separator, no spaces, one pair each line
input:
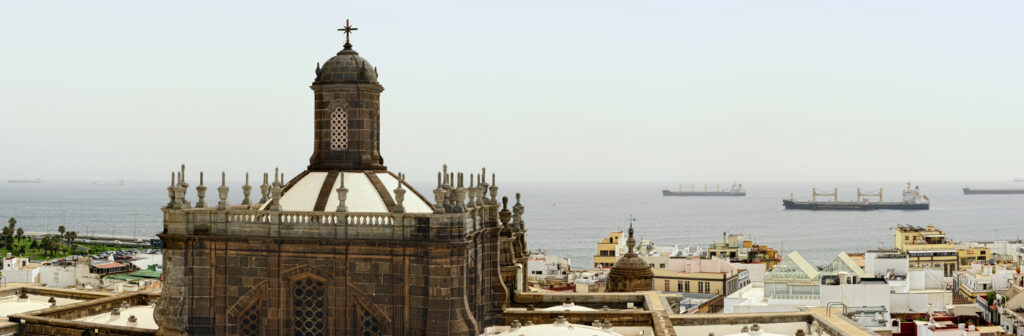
[51,244]
[990,297]
[70,237]
[7,236]
[62,229]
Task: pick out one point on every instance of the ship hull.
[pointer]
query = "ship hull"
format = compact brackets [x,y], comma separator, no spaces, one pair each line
[969,191]
[702,193]
[853,206]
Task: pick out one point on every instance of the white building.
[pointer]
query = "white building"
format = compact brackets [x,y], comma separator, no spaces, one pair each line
[18,269]
[919,290]
[980,279]
[59,275]
[883,262]
[543,267]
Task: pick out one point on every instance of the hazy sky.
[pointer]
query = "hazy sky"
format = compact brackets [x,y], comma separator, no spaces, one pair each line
[673,91]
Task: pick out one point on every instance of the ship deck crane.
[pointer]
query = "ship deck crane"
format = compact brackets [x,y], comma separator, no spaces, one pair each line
[877,194]
[834,194]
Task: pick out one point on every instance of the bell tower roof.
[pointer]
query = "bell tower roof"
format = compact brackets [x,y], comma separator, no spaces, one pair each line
[347,66]
[346,113]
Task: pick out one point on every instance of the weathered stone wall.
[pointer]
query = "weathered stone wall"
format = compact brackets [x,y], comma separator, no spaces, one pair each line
[414,284]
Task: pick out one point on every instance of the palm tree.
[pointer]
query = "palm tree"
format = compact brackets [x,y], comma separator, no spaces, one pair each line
[62,229]
[7,236]
[51,244]
[70,237]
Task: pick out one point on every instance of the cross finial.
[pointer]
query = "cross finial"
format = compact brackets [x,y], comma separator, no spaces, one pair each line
[348,31]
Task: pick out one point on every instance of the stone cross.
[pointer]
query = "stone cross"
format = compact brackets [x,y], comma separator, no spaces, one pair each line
[348,29]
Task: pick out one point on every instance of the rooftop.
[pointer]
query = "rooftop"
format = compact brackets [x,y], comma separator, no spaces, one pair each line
[143,317]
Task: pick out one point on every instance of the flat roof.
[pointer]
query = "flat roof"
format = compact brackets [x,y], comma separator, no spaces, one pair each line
[143,315]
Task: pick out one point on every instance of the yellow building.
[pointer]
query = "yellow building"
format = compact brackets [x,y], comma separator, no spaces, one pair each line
[723,283]
[605,257]
[969,255]
[927,248]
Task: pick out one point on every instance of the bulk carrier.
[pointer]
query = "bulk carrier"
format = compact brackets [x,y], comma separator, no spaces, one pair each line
[912,200]
[734,190]
[969,191]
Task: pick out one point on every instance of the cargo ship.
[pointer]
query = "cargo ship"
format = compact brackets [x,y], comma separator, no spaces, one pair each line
[25,181]
[734,190]
[969,191]
[913,199]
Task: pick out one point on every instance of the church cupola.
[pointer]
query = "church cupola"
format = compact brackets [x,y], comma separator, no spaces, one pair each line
[346,113]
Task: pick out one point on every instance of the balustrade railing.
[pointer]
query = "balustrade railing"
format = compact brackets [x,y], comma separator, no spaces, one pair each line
[300,217]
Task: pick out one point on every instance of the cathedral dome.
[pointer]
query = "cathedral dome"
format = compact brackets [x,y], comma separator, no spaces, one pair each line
[630,273]
[346,67]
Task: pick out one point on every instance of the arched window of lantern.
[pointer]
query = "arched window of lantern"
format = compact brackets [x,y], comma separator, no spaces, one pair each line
[338,129]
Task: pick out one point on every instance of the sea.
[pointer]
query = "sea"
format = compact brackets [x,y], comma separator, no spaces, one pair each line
[568,220]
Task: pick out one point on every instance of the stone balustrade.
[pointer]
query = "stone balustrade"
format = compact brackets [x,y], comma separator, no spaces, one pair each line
[309,224]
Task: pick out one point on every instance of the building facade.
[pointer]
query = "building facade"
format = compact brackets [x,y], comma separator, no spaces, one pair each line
[927,248]
[346,247]
[607,250]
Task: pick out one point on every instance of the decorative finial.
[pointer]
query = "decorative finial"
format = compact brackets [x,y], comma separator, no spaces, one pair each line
[246,190]
[504,215]
[342,193]
[201,192]
[348,29]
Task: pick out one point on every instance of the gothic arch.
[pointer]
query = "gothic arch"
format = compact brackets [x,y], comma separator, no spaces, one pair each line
[247,311]
[367,318]
[307,290]
[306,268]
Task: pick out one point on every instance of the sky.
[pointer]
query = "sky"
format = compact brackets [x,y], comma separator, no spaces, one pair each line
[537,91]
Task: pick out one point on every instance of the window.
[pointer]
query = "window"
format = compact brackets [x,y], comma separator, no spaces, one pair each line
[679,285]
[368,324]
[662,266]
[249,322]
[310,307]
[687,287]
[339,129]
[666,285]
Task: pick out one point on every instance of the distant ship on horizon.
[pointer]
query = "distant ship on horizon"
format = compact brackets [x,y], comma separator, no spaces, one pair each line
[734,190]
[117,183]
[912,200]
[969,191]
[25,181]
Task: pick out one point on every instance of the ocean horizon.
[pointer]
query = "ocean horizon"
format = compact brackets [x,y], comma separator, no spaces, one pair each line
[568,219]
